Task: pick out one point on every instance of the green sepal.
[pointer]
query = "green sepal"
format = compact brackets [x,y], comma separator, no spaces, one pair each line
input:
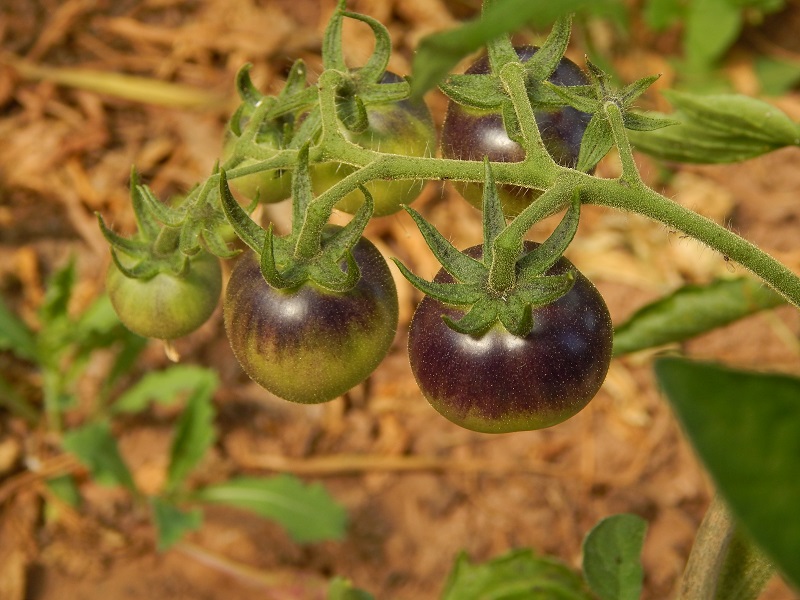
[464,268]
[352,113]
[142,270]
[269,266]
[299,101]
[542,64]
[379,60]
[157,209]
[332,53]
[544,290]
[494,221]
[217,245]
[308,130]
[480,317]
[244,86]
[383,93]
[188,242]
[580,97]
[631,92]
[148,228]
[296,80]
[131,247]
[235,122]
[343,240]
[511,123]
[247,229]
[646,122]
[456,294]
[484,92]
[332,277]
[544,256]
[516,316]
[597,140]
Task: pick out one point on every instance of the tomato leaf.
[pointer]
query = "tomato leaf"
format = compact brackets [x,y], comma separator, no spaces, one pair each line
[164,387]
[15,334]
[95,447]
[172,523]
[693,310]
[194,433]
[516,575]
[746,429]
[611,561]
[307,511]
[711,27]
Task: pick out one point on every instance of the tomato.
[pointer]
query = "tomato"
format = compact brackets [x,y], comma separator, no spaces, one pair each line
[471,134]
[403,127]
[166,306]
[308,344]
[499,382]
[268,186]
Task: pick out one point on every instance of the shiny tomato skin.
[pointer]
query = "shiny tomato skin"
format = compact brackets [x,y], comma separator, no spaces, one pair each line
[165,306]
[403,127]
[498,382]
[308,344]
[471,134]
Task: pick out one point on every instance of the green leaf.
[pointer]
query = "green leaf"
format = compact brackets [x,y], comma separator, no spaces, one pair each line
[660,14]
[15,335]
[308,512]
[437,54]
[172,523]
[746,429]
[57,295]
[695,143]
[165,387]
[611,562]
[691,311]
[646,122]
[342,589]
[95,447]
[194,433]
[518,575]
[737,116]
[711,28]
[776,77]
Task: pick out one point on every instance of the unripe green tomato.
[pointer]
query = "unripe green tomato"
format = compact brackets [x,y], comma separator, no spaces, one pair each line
[404,128]
[268,186]
[165,306]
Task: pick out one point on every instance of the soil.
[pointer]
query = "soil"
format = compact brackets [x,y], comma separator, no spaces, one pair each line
[418,490]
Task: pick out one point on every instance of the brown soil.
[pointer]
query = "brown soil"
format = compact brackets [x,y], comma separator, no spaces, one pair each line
[417,488]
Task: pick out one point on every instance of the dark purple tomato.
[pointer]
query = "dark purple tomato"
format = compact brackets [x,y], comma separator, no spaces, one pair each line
[499,382]
[403,127]
[471,134]
[165,306]
[308,344]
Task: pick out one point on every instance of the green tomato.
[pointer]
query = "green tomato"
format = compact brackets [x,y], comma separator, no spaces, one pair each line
[404,128]
[268,186]
[165,306]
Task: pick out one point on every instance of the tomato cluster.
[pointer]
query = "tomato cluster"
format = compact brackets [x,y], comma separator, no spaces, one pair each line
[305,329]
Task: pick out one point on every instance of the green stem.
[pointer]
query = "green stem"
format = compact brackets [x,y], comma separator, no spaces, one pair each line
[509,243]
[644,201]
[723,565]
[513,77]
[630,174]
